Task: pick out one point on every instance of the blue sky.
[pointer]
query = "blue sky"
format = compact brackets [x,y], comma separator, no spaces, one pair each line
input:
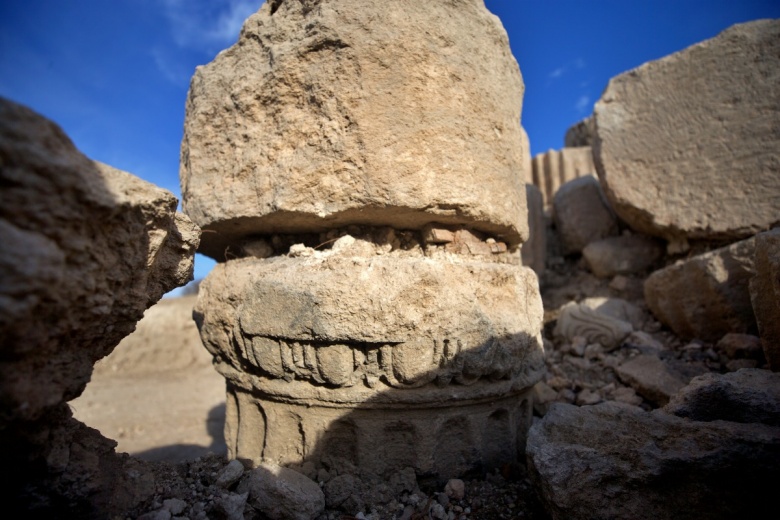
[114,73]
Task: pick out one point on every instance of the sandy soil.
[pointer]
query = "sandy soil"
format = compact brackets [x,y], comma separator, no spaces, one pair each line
[157,394]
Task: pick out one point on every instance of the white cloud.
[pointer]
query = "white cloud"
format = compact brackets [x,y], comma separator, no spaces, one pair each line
[208,25]
[583,103]
[557,73]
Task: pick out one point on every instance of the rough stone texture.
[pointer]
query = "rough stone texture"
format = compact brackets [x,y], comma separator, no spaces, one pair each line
[705,296]
[554,168]
[282,494]
[391,112]
[582,215]
[750,395]
[765,294]
[621,255]
[332,359]
[527,170]
[617,461]
[741,346]
[688,146]
[534,250]
[86,249]
[580,134]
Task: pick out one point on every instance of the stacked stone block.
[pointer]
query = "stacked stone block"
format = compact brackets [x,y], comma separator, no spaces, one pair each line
[355,167]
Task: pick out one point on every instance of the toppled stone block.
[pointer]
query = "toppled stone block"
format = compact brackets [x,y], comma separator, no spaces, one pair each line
[705,296]
[765,294]
[741,346]
[534,250]
[86,249]
[582,214]
[618,461]
[687,147]
[621,255]
[391,115]
[750,395]
[554,168]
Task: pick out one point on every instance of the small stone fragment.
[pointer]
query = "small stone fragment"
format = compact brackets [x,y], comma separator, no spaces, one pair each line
[455,489]
[230,474]
[174,505]
[436,235]
[282,494]
[581,320]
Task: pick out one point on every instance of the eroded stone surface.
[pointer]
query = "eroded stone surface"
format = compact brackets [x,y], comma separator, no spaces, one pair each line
[343,337]
[705,296]
[86,249]
[750,395]
[580,319]
[392,113]
[617,461]
[688,146]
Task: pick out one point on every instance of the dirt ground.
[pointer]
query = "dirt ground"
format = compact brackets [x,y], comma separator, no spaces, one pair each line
[157,394]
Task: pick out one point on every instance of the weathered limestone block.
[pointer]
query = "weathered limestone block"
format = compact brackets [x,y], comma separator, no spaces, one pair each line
[86,249]
[580,134]
[750,395]
[330,345]
[688,147]
[391,112]
[582,214]
[705,296]
[621,255]
[765,294]
[534,250]
[554,168]
[618,461]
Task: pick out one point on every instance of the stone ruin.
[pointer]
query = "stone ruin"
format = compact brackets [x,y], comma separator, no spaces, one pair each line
[370,312]
[359,183]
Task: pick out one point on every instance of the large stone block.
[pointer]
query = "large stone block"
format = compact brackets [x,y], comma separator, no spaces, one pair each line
[765,294]
[688,146]
[705,296]
[580,134]
[326,114]
[399,347]
[618,461]
[86,249]
[582,214]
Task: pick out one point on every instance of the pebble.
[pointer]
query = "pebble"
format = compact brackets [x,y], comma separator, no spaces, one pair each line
[455,489]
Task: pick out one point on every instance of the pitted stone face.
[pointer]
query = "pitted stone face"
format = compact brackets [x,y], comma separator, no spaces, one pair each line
[329,113]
